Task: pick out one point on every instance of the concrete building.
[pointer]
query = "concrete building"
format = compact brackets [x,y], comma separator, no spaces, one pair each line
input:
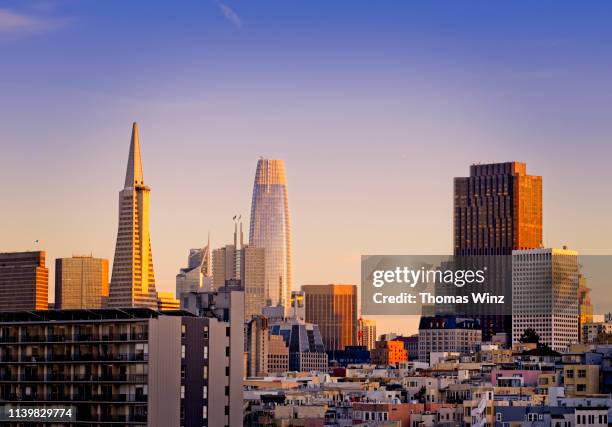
[133,366]
[389,353]
[81,282]
[366,335]
[257,344]
[278,355]
[133,279]
[24,281]
[306,349]
[226,305]
[334,309]
[545,295]
[197,276]
[592,332]
[448,334]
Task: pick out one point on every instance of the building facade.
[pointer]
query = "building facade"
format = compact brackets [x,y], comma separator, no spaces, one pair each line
[197,276]
[545,295]
[133,280]
[334,309]
[389,353]
[448,334]
[166,301]
[367,333]
[306,349]
[24,281]
[127,367]
[497,209]
[270,228]
[81,282]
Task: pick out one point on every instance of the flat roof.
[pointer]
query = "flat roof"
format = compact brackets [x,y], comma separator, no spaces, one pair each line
[37,316]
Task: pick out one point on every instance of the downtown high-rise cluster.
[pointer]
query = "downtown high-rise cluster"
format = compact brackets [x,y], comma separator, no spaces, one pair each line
[235,344]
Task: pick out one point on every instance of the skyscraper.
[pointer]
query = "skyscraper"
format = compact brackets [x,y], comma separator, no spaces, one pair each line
[197,277]
[367,333]
[545,287]
[133,281]
[24,281]
[334,309]
[497,209]
[270,228]
[81,282]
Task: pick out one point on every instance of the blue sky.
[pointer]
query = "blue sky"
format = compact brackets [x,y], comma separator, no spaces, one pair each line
[374,106]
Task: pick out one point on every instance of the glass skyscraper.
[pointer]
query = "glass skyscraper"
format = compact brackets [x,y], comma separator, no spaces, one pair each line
[270,228]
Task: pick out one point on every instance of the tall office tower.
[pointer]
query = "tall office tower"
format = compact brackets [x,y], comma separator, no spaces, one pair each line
[124,367]
[24,281]
[270,228]
[253,280]
[197,276]
[545,295]
[497,209]
[334,309]
[226,261]
[81,282]
[367,333]
[133,281]
[585,309]
[257,342]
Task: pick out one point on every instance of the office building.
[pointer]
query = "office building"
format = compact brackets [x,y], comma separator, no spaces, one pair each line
[278,355]
[130,366]
[257,343]
[585,309]
[253,279]
[166,301]
[334,309]
[545,295]
[197,276]
[306,349]
[497,209]
[133,280]
[270,229]
[389,353]
[24,281]
[448,334]
[81,282]
[367,333]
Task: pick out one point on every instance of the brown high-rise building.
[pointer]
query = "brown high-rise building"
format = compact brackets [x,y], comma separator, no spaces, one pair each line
[334,309]
[81,282]
[24,281]
[497,209]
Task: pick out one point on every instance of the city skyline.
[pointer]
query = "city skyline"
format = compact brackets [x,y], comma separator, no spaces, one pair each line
[388,120]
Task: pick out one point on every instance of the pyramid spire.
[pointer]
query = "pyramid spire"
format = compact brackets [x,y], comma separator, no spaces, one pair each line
[133,175]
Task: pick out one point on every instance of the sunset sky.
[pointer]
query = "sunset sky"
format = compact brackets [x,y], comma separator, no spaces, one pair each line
[373,105]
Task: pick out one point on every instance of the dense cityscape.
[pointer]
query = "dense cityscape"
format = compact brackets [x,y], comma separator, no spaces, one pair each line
[238,344]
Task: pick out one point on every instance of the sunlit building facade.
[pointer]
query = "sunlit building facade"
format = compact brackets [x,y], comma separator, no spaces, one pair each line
[133,280]
[81,282]
[545,296]
[334,309]
[270,228]
[24,281]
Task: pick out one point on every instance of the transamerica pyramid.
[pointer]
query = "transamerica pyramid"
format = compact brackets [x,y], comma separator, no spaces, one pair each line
[133,281]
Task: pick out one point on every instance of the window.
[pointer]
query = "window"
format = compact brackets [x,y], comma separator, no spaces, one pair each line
[182,392]
[183,331]
[183,351]
[205,372]
[205,352]
[498,416]
[205,392]
[204,412]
